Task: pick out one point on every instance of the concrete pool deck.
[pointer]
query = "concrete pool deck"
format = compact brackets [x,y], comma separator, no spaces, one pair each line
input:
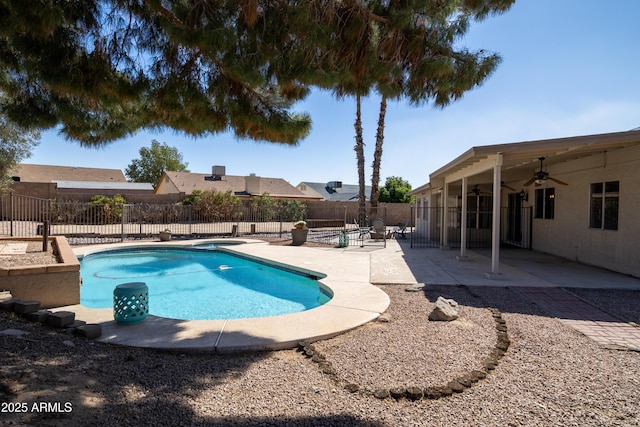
[351,273]
[347,273]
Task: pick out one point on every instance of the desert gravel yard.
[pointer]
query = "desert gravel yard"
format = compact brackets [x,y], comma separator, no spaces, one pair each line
[550,375]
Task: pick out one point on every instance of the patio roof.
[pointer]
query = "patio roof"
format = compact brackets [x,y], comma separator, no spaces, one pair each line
[524,156]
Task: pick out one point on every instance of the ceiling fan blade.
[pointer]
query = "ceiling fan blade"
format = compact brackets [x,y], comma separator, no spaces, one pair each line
[528,183]
[558,181]
[508,187]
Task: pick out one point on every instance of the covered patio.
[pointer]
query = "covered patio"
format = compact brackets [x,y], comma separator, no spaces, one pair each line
[514,172]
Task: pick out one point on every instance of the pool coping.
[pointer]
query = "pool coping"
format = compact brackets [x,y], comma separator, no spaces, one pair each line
[355,302]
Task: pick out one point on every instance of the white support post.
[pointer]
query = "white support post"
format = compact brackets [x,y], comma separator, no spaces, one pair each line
[444,229]
[495,229]
[463,222]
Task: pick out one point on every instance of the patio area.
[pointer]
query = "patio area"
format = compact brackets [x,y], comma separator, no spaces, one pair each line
[351,272]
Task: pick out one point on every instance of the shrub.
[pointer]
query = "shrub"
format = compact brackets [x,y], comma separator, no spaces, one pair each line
[106,210]
[264,208]
[211,205]
[293,209]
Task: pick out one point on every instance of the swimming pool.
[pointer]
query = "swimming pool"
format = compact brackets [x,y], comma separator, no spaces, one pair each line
[200,283]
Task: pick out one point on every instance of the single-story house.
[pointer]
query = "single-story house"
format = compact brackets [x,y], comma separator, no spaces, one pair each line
[74,183]
[576,198]
[245,187]
[334,191]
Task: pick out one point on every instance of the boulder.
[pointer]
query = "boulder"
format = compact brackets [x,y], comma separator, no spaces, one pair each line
[444,310]
[415,288]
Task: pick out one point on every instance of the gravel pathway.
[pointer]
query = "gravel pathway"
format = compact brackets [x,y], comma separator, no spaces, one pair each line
[549,376]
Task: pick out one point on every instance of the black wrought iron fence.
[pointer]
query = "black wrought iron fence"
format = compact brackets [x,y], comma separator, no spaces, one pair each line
[22,215]
[87,222]
[339,226]
[515,227]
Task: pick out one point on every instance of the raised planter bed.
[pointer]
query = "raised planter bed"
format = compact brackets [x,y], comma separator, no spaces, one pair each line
[54,285]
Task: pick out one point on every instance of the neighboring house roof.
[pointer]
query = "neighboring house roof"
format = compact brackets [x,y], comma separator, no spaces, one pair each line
[186,182]
[333,190]
[178,182]
[47,173]
[91,185]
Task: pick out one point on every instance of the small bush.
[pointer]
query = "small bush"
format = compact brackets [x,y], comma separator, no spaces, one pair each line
[211,205]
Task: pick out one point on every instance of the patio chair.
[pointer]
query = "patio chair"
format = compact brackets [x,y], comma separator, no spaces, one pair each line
[362,231]
[379,229]
[400,231]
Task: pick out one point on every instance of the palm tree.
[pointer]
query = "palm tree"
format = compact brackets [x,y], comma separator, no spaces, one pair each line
[399,50]
[377,157]
[427,65]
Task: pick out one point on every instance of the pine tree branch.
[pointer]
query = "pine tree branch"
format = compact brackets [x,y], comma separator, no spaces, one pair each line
[171,17]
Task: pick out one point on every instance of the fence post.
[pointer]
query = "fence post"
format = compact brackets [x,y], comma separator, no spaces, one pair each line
[45,235]
[11,214]
[344,208]
[122,220]
[238,213]
[413,229]
[384,236]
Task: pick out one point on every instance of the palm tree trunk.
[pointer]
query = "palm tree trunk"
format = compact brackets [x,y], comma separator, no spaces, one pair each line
[377,158]
[359,149]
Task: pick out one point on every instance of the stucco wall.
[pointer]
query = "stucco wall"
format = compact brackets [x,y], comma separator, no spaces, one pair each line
[568,235]
[54,285]
[52,289]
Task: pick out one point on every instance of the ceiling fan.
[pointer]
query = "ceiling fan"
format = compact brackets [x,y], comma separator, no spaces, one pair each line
[475,190]
[541,176]
[503,185]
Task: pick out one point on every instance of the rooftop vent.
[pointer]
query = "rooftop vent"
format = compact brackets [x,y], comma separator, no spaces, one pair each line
[217,172]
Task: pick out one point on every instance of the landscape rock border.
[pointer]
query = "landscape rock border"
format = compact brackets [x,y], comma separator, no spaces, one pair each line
[416,392]
[30,310]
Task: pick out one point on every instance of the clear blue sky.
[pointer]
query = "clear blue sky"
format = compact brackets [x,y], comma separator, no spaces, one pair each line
[570,67]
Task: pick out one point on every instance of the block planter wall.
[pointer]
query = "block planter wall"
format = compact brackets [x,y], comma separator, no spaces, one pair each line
[54,285]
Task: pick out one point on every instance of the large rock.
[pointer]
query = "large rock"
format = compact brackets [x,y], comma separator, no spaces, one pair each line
[444,310]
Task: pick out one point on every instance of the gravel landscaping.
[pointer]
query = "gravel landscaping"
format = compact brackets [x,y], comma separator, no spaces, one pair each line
[550,375]
[32,256]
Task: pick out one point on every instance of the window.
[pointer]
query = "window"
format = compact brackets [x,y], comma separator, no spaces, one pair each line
[479,211]
[603,211]
[545,203]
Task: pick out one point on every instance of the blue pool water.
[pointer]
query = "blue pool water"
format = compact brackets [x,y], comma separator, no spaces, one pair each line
[195,284]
